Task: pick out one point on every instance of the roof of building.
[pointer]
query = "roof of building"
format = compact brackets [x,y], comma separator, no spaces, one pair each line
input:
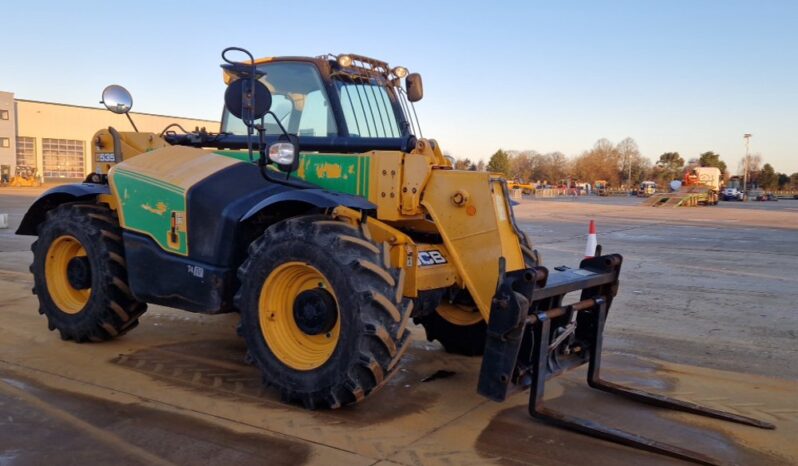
[103,110]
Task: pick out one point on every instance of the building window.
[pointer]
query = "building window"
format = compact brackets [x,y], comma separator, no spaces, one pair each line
[3,114]
[62,158]
[5,142]
[26,152]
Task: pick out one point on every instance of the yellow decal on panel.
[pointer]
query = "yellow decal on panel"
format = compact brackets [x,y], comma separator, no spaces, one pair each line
[159,208]
[329,171]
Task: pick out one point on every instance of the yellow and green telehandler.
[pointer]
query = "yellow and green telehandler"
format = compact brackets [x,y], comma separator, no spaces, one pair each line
[322,217]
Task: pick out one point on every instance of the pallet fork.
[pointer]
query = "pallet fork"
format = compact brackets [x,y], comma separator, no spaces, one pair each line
[532,337]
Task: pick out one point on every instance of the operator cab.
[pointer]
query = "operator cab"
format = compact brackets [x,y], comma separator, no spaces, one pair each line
[335,99]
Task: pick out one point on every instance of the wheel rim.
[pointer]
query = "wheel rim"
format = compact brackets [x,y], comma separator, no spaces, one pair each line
[68,298]
[459,315]
[286,340]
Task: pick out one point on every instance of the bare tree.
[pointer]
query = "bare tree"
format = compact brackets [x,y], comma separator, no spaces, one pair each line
[754,163]
[602,162]
[630,155]
[462,164]
[523,164]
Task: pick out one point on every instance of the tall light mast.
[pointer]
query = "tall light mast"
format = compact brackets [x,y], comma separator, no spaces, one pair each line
[747,137]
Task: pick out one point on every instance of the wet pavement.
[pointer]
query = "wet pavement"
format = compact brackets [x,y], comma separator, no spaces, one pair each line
[690,322]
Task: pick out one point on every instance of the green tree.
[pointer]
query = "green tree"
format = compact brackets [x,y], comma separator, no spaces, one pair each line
[499,162]
[767,178]
[784,180]
[794,181]
[670,165]
[711,159]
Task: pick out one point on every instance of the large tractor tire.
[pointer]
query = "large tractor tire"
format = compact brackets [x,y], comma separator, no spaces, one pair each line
[459,327]
[79,274]
[322,315]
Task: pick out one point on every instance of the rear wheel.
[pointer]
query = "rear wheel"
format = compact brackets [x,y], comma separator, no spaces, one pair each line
[460,327]
[322,315]
[80,276]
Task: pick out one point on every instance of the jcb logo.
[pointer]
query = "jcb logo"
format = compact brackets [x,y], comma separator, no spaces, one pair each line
[432,257]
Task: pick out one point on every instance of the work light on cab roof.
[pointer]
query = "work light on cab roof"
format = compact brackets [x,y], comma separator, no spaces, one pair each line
[351,60]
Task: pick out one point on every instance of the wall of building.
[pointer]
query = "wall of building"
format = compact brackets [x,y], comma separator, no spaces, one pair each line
[7,131]
[57,133]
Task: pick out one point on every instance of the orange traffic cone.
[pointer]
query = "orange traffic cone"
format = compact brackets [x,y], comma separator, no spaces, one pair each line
[590,248]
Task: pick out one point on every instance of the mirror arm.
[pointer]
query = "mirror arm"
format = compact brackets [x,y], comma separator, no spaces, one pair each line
[127,114]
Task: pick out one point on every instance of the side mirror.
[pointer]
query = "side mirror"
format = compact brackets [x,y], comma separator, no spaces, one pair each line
[117,99]
[414,87]
[248,99]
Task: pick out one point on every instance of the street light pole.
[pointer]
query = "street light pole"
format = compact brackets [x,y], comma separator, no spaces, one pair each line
[630,170]
[747,137]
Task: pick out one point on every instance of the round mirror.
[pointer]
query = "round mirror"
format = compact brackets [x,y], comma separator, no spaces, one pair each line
[241,101]
[117,99]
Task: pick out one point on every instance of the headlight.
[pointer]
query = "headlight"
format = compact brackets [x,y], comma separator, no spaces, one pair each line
[399,71]
[345,61]
[282,153]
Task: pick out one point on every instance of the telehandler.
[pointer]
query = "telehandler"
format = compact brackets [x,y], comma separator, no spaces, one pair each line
[321,215]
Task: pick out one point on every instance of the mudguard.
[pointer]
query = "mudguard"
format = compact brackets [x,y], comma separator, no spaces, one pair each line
[55,197]
[317,197]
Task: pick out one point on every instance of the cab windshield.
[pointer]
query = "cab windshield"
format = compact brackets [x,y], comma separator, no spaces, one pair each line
[367,108]
[298,100]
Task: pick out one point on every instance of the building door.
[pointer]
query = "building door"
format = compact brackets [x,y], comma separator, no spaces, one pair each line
[62,158]
[26,152]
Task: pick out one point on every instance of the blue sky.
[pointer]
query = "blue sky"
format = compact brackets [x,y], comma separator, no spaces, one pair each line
[686,76]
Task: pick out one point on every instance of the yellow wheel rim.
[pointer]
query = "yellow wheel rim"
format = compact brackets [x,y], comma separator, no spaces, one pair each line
[295,348]
[459,315]
[64,295]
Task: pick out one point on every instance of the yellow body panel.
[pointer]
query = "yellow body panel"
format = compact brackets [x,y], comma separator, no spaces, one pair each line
[467,209]
[432,277]
[132,144]
[417,171]
[181,166]
[385,192]
[477,233]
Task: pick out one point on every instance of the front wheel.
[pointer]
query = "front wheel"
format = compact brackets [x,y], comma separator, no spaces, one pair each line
[322,315]
[79,274]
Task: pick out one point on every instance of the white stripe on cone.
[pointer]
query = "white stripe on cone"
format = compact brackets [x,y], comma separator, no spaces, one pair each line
[590,248]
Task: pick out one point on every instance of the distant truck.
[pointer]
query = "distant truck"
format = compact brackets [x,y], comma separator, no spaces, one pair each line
[705,177]
[647,189]
[600,187]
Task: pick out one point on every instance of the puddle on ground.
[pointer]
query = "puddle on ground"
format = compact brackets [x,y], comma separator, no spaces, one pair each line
[514,437]
[32,435]
[217,368]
